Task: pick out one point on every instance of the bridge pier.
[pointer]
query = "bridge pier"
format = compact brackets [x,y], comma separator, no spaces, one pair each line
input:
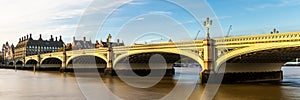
[38,65]
[109,66]
[64,62]
[245,72]
[208,59]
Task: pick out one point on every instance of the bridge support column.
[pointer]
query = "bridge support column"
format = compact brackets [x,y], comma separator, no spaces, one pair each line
[23,64]
[109,66]
[64,62]
[38,65]
[209,59]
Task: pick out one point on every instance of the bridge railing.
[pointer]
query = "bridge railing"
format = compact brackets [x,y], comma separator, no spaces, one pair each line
[278,37]
[87,51]
[166,45]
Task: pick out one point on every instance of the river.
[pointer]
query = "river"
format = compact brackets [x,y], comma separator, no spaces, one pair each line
[50,85]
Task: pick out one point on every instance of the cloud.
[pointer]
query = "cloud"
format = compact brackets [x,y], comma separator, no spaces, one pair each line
[224,17]
[161,12]
[138,3]
[19,17]
[139,19]
[281,3]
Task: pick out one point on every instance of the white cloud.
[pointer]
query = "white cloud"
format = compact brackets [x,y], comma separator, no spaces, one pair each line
[140,18]
[57,17]
[161,12]
[281,3]
[224,17]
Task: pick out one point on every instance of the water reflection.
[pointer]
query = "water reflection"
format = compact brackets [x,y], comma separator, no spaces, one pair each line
[27,85]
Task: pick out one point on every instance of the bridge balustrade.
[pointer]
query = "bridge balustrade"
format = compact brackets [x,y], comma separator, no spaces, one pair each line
[280,37]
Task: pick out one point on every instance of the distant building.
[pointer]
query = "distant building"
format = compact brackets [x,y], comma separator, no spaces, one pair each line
[7,52]
[1,57]
[83,44]
[108,42]
[102,44]
[27,46]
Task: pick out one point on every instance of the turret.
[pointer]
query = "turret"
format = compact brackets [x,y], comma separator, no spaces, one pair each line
[51,38]
[40,37]
[60,39]
[30,36]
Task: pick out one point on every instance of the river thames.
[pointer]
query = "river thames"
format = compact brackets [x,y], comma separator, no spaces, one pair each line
[47,85]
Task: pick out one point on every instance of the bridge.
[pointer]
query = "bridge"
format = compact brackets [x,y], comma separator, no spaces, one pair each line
[256,57]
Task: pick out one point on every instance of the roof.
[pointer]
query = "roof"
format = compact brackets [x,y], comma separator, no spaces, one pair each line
[40,43]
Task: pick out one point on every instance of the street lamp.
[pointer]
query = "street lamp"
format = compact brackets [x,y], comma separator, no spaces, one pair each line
[274,31]
[207,25]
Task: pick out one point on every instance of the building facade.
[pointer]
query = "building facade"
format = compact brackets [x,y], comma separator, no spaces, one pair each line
[27,46]
[83,44]
[102,44]
[7,52]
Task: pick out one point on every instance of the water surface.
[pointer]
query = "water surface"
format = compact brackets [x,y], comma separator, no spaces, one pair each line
[27,85]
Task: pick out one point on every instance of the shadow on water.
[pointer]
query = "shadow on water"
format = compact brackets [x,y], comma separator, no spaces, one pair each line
[13,83]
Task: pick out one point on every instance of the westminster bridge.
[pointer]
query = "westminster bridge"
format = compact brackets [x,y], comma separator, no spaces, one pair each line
[258,55]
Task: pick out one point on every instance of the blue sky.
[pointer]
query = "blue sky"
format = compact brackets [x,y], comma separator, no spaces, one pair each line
[257,16]
[139,21]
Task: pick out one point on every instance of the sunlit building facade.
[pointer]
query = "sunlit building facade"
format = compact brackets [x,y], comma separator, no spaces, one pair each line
[27,46]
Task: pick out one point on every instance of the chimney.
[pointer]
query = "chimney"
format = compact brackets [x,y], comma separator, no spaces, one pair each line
[22,39]
[40,37]
[60,39]
[27,37]
[30,36]
[19,40]
[51,39]
[55,38]
[118,40]
[84,39]
[73,38]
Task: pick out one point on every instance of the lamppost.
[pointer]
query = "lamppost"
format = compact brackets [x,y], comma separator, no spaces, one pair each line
[274,31]
[39,59]
[64,61]
[207,25]
[109,67]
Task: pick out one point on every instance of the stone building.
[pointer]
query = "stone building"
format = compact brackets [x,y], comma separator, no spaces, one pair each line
[102,44]
[7,52]
[27,46]
[82,44]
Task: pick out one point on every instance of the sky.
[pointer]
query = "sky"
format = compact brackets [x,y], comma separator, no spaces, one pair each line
[144,21]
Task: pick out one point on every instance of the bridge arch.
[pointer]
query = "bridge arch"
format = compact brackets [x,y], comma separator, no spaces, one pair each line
[31,61]
[19,62]
[254,48]
[191,55]
[76,56]
[51,62]
[52,57]
[87,62]
[11,63]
